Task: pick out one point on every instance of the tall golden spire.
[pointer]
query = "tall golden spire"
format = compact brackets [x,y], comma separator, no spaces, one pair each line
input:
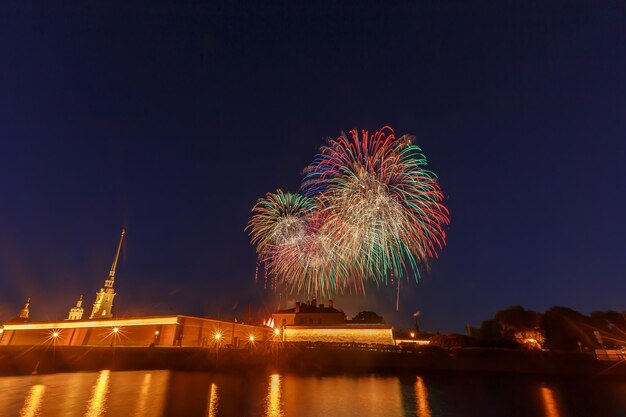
[104,298]
[114,264]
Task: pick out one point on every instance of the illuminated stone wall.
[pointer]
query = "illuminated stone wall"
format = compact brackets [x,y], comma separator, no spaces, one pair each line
[140,331]
[340,334]
[25,337]
[202,332]
[128,335]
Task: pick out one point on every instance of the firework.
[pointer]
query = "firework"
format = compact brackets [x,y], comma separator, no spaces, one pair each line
[293,244]
[384,205]
[279,219]
[317,264]
[369,210]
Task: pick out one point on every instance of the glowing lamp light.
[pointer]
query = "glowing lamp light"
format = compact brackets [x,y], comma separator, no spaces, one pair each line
[252,338]
[412,334]
[156,332]
[277,331]
[116,330]
[55,334]
[1,331]
[218,336]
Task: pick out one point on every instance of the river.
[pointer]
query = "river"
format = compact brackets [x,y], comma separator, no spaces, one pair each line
[167,393]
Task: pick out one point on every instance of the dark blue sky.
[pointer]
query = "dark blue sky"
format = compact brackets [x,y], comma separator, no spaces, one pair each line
[172,118]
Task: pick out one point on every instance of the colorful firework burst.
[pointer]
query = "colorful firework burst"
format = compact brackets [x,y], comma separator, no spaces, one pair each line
[370,210]
[279,219]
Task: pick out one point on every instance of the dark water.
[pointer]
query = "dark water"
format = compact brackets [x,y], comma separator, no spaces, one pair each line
[165,393]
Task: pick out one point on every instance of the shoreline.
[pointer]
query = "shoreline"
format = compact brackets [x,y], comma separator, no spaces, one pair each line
[307,359]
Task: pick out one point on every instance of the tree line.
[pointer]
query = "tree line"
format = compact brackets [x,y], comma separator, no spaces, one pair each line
[559,328]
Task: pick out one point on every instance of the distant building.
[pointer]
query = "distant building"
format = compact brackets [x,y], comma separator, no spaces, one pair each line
[312,322]
[76,313]
[309,314]
[25,312]
[23,316]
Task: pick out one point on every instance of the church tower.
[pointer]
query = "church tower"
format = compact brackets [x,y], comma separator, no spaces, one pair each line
[76,313]
[24,312]
[104,298]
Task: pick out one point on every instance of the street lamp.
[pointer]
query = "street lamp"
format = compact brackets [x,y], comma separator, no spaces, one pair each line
[251,338]
[217,336]
[116,330]
[55,336]
[278,334]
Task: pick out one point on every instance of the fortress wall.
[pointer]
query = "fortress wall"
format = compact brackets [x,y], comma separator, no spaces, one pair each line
[340,334]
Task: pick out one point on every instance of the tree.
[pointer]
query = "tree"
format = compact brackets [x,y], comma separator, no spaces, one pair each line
[610,321]
[490,329]
[611,325]
[515,324]
[452,340]
[565,327]
[521,325]
[368,317]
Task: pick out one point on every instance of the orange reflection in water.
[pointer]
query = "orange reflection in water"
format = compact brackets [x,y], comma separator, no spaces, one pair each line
[150,395]
[374,396]
[549,404]
[422,408]
[213,401]
[142,402]
[32,404]
[98,402]
[273,402]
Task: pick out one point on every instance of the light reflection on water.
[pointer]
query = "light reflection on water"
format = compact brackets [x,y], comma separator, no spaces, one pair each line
[549,404]
[181,394]
[142,401]
[421,398]
[273,403]
[32,404]
[308,396]
[213,401]
[96,407]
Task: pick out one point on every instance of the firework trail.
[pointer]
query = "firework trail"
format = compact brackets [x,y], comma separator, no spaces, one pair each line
[369,210]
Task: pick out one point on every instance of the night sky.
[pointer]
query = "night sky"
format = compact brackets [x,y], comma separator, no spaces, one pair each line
[172,118]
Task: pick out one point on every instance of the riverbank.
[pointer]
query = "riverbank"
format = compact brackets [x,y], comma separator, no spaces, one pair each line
[514,361]
[19,360]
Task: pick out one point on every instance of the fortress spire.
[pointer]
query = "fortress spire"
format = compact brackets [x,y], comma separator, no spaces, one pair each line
[114,264]
[25,312]
[104,298]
